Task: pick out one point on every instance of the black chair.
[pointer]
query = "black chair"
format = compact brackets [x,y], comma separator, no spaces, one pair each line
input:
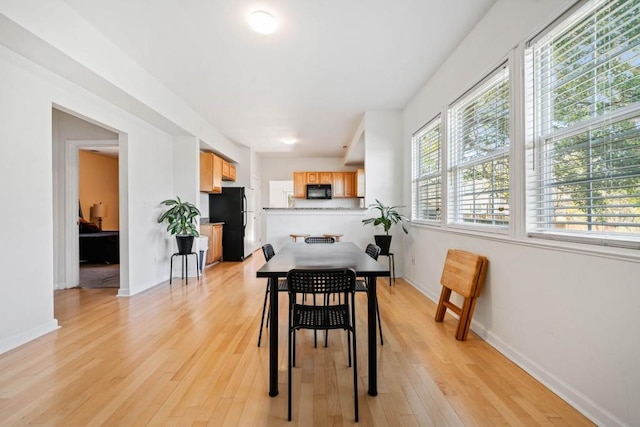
[392,264]
[361,284]
[323,317]
[319,239]
[268,252]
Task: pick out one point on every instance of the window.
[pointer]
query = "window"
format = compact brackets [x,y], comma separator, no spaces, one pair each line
[479,155]
[583,170]
[426,177]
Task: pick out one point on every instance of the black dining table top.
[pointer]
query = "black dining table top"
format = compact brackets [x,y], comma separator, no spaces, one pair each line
[322,255]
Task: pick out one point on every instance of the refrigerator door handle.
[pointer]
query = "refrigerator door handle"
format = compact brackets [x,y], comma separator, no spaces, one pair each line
[244,213]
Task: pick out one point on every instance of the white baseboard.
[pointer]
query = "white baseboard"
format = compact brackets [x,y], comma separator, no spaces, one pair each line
[569,394]
[26,336]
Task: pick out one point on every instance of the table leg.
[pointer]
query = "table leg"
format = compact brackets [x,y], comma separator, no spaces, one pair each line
[273,337]
[371,327]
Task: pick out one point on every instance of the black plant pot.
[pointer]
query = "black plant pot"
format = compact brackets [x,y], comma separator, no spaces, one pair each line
[185,244]
[384,242]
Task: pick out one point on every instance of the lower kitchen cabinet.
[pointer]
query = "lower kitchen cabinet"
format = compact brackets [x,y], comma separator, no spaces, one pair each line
[214,233]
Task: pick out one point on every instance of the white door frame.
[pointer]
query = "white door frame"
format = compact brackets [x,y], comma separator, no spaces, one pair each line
[70,228]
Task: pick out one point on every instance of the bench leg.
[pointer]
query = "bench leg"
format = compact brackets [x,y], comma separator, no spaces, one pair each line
[465,318]
[442,309]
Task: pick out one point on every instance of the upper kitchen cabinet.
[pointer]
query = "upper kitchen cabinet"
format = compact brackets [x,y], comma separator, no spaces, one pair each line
[210,173]
[343,184]
[360,182]
[228,171]
[319,178]
[300,185]
[337,186]
[349,180]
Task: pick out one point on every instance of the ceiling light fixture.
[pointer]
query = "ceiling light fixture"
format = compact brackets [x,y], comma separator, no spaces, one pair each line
[262,22]
[289,141]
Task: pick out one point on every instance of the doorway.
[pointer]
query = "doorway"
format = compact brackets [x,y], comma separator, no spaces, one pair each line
[98,195]
[73,137]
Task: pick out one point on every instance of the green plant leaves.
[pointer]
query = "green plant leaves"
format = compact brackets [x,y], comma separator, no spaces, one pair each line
[181,217]
[388,217]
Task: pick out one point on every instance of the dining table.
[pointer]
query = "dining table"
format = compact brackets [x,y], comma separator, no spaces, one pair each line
[320,256]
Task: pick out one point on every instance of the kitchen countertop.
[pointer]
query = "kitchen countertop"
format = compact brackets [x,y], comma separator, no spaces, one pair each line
[205,221]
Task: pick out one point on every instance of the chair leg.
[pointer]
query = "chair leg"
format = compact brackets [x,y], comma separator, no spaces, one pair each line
[315,332]
[392,267]
[326,331]
[264,306]
[290,364]
[294,348]
[355,357]
[349,347]
[349,339]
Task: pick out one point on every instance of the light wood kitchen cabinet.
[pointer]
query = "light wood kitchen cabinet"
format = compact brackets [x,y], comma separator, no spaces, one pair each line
[319,178]
[325,177]
[337,186]
[206,172]
[214,249]
[343,184]
[300,185]
[349,179]
[215,245]
[228,171]
[210,173]
[360,182]
[313,177]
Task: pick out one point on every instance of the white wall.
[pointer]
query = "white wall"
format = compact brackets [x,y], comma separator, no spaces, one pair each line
[282,169]
[383,151]
[26,296]
[67,128]
[283,222]
[279,193]
[383,154]
[49,35]
[96,82]
[567,314]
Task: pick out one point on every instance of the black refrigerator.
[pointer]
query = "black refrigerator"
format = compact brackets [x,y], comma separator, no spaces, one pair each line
[230,207]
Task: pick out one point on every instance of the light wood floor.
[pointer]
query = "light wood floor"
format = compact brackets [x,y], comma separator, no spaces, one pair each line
[187,355]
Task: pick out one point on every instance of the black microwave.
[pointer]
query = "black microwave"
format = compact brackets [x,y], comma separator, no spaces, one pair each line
[318,191]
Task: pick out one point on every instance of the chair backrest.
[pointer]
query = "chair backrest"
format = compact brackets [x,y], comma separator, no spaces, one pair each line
[268,251]
[319,239]
[373,251]
[323,281]
[464,272]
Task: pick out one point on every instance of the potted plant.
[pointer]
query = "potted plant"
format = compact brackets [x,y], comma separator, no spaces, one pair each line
[388,216]
[181,217]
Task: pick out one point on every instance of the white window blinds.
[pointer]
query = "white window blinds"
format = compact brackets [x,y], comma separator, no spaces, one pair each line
[584,125]
[479,155]
[426,176]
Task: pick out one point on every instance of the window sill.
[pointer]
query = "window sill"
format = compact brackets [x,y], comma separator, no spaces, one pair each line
[623,254]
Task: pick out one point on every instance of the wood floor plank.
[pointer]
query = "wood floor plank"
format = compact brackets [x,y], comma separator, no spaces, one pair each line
[187,356]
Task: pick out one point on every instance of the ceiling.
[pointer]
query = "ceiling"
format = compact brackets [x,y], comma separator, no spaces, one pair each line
[312,80]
